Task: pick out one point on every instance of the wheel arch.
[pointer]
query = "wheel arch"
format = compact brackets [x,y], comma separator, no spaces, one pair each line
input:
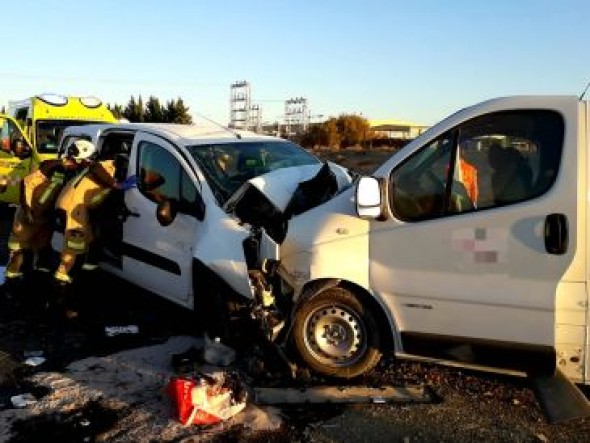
[386,323]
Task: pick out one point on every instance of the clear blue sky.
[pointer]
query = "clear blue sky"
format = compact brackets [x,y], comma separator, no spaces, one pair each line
[413,60]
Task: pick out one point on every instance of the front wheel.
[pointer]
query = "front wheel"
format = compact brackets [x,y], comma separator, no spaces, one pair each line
[336,335]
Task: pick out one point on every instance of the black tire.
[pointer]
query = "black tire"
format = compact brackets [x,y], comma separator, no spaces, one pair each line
[353,346]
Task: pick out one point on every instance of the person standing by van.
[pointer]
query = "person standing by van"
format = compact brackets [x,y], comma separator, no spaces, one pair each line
[32,225]
[82,195]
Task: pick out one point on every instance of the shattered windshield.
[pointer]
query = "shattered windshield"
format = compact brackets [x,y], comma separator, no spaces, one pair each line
[228,166]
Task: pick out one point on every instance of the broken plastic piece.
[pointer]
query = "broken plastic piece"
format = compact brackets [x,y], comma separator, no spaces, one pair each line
[111,331]
[23,400]
[34,361]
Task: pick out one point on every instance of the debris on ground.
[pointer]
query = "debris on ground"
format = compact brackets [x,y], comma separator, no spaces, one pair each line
[206,400]
[111,331]
[34,361]
[23,400]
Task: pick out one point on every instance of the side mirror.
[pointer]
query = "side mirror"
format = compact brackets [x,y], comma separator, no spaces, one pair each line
[166,211]
[369,201]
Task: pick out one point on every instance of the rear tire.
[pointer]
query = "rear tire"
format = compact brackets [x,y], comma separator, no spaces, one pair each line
[336,335]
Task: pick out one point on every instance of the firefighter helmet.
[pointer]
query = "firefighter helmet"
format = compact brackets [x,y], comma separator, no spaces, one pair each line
[81,150]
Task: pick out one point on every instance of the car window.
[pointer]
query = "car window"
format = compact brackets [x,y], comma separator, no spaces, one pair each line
[494,160]
[159,173]
[161,177]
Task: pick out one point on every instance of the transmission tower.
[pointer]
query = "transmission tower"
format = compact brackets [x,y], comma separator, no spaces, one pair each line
[296,115]
[255,123]
[239,105]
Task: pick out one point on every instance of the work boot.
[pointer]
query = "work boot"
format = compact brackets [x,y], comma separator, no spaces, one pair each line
[63,303]
[45,260]
[92,257]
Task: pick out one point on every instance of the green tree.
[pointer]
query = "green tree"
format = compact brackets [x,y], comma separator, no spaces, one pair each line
[177,112]
[154,111]
[116,110]
[134,111]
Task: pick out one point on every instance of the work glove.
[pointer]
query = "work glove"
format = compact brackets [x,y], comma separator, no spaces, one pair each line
[128,183]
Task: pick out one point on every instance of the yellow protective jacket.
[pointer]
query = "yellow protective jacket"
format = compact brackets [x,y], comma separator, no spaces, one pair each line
[41,188]
[84,192]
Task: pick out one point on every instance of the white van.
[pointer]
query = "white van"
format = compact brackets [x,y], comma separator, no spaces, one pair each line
[419,261]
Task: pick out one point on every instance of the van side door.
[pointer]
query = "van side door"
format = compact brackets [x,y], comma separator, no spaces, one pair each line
[484,228]
[16,154]
[157,252]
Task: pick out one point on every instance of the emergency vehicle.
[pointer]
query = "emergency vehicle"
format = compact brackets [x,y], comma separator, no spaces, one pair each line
[31,131]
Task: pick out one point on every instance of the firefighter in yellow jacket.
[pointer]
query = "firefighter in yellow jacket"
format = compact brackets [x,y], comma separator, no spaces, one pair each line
[32,226]
[82,194]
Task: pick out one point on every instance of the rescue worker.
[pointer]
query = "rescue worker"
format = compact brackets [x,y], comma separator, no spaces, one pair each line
[469,178]
[32,226]
[81,195]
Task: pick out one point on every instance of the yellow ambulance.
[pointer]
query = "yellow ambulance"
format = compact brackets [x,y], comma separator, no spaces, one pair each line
[31,131]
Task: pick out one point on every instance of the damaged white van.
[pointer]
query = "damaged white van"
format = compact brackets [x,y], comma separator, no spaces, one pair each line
[469,245]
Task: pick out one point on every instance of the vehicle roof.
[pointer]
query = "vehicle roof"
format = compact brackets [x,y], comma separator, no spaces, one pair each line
[179,133]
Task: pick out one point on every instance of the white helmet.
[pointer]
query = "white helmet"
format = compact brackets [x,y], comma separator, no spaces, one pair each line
[81,150]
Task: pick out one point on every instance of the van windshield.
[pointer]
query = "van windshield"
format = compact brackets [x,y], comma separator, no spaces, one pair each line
[227,166]
[48,133]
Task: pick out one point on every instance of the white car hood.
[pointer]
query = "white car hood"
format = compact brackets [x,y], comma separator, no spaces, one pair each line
[266,202]
[270,200]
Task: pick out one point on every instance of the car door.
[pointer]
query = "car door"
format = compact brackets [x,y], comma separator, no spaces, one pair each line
[16,155]
[484,270]
[159,257]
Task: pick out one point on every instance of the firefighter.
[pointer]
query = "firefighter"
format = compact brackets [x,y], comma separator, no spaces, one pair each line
[81,195]
[32,226]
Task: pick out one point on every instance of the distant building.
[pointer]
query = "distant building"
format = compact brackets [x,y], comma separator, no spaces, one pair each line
[397,128]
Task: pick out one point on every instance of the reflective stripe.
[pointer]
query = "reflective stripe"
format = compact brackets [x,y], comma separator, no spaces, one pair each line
[11,274]
[99,197]
[14,245]
[75,244]
[56,180]
[62,277]
[89,266]
[74,182]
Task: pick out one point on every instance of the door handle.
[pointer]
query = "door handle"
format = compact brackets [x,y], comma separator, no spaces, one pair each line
[126,213]
[556,234]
